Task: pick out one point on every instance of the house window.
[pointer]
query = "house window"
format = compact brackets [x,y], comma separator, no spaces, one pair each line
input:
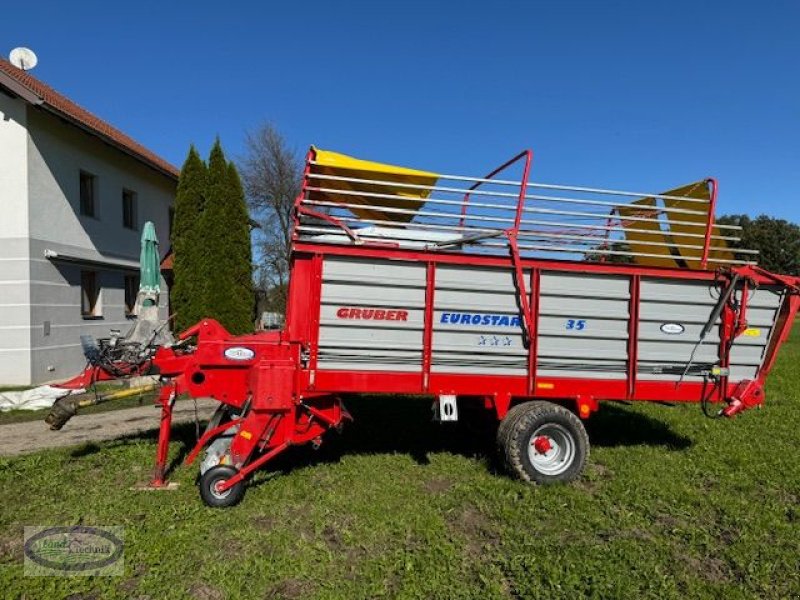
[129,209]
[90,295]
[131,291]
[88,194]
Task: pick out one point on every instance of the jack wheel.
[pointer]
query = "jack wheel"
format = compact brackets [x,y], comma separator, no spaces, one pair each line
[210,481]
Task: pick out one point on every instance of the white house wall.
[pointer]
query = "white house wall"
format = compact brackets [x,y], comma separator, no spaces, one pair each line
[57,152]
[15,335]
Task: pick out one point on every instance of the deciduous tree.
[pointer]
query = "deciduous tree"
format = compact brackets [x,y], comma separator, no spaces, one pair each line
[777,240]
[272,176]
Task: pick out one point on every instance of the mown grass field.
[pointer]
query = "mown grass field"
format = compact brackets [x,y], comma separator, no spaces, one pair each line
[672,505]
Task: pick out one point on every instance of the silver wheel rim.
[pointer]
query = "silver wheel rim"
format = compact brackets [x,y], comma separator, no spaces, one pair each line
[560,454]
[216,493]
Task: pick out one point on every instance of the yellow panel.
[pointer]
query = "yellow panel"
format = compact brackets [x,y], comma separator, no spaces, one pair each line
[341,165]
[719,248]
[674,256]
[639,241]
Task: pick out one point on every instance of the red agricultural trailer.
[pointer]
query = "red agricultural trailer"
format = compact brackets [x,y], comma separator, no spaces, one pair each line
[537,302]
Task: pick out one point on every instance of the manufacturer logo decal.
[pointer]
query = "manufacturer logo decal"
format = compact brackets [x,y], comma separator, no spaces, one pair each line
[239,353]
[374,314]
[673,328]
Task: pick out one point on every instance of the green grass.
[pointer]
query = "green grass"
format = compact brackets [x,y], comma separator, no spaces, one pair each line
[672,505]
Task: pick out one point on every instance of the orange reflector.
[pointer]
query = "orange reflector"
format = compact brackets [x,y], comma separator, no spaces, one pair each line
[545,385]
[246,435]
[584,410]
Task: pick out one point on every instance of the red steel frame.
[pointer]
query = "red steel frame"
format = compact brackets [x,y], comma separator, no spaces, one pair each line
[282,398]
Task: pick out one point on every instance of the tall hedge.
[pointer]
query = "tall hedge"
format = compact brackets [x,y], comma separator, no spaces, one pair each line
[187,243]
[227,255]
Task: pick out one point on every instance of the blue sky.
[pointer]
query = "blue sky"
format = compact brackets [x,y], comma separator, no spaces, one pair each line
[627,94]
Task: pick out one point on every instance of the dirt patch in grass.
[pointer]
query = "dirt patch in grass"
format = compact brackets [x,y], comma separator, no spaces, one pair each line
[289,589]
[83,596]
[476,527]
[713,570]
[594,476]
[348,554]
[11,546]
[204,591]
[437,485]
[264,522]
[668,522]
[333,538]
[129,585]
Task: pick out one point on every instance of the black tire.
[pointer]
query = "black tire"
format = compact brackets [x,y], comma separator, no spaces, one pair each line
[562,431]
[209,493]
[505,426]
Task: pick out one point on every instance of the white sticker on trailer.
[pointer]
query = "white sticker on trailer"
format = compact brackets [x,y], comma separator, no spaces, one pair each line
[239,353]
[673,328]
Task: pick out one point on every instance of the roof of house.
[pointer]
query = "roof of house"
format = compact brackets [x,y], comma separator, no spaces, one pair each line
[24,85]
[168,261]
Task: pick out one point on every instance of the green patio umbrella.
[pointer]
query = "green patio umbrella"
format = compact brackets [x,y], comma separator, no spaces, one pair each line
[149,270]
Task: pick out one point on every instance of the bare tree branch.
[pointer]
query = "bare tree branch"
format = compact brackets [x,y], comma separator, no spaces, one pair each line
[272,176]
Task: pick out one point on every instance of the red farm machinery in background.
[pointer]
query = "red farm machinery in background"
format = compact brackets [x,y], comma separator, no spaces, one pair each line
[537,301]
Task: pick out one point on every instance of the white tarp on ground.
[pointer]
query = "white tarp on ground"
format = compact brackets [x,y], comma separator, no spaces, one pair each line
[41,397]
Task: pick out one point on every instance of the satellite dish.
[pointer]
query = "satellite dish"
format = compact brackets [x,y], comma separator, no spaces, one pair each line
[23,58]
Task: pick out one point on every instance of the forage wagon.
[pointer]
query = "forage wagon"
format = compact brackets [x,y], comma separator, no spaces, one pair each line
[536,302]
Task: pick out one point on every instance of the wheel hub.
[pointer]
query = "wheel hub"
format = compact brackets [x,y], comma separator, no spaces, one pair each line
[552,449]
[217,491]
[542,444]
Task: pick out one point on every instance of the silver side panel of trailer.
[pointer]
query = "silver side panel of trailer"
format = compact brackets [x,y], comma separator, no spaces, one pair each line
[582,326]
[476,322]
[671,316]
[371,344]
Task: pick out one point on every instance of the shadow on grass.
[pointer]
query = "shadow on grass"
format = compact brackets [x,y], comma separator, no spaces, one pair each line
[394,425]
[388,425]
[614,425]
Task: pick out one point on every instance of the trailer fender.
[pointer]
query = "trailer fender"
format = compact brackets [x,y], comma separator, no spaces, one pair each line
[502,403]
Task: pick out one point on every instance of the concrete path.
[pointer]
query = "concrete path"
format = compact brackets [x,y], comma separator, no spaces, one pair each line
[32,436]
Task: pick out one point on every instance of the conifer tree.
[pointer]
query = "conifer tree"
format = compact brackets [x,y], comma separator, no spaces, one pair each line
[227,256]
[186,238]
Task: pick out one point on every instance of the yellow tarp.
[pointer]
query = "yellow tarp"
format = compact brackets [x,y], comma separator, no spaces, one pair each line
[674,235]
[370,207]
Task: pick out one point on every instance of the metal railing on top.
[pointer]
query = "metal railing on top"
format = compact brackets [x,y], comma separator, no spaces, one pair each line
[472,214]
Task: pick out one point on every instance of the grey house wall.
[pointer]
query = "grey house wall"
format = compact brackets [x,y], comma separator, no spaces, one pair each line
[47,313]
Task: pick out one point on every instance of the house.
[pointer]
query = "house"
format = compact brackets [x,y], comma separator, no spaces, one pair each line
[74,194]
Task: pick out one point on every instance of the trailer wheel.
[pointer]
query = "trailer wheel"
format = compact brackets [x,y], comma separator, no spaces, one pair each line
[208,487]
[542,442]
